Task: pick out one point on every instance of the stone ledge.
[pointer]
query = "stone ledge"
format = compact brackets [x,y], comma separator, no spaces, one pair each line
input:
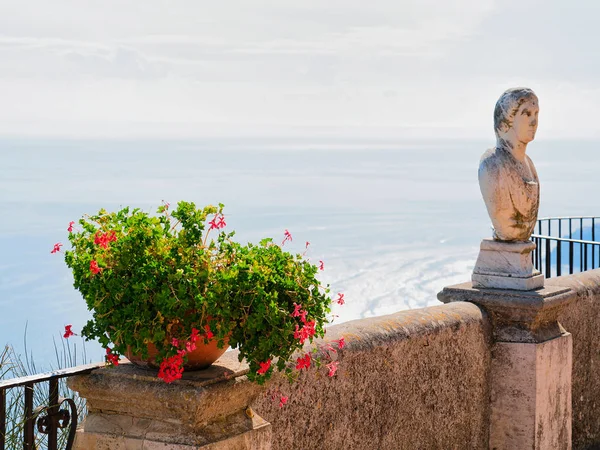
[517,316]
[129,405]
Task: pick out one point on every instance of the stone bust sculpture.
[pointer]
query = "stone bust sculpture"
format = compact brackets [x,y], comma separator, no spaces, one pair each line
[507,177]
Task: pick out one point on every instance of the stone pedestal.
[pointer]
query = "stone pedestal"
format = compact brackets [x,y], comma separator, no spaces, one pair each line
[506,265]
[129,408]
[531,365]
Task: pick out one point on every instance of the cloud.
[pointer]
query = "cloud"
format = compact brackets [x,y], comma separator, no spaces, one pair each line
[393,67]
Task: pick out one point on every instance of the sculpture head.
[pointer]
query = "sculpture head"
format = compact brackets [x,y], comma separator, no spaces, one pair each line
[516,116]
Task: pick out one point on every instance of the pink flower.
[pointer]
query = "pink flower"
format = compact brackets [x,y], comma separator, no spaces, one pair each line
[218,222]
[303,363]
[307,244]
[287,237]
[332,366]
[56,248]
[330,348]
[321,265]
[341,343]
[174,342]
[94,268]
[303,314]
[111,357]
[340,299]
[70,229]
[297,309]
[282,401]
[68,332]
[264,366]
[190,346]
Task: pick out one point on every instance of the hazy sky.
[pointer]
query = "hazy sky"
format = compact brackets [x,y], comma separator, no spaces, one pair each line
[397,68]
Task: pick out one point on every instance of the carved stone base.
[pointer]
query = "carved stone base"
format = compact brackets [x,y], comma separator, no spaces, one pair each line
[531,365]
[130,408]
[531,395]
[506,265]
[517,316]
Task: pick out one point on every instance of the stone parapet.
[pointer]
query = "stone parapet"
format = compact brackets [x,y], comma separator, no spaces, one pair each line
[130,408]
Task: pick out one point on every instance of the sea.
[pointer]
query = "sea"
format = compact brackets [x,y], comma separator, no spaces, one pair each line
[393,221]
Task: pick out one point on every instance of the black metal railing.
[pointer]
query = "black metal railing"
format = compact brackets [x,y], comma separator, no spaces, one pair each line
[566,245]
[59,413]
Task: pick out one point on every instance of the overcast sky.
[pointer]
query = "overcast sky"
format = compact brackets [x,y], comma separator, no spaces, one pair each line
[397,68]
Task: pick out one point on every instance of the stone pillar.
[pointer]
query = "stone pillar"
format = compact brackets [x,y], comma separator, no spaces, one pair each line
[531,365]
[130,408]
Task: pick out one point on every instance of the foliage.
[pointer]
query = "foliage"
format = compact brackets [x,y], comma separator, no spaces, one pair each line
[173,278]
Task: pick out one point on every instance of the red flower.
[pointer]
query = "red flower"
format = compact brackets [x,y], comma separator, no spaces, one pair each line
[207,333]
[111,357]
[340,299]
[287,237]
[332,366]
[297,309]
[56,248]
[310,328]
[321,265]
[300,334]
[94,268]
[303,363]
[102,239]
[341,343]
[264,366]
[70,229]
[303,314]
[68,332]
[171,368]
[174,342]
[195,335]
[282,401]
[218,222]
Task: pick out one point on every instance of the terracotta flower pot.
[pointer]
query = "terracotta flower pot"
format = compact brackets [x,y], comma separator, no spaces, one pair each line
[201,358]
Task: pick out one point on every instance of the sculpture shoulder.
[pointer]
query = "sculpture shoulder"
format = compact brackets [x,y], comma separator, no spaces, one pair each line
[491,163]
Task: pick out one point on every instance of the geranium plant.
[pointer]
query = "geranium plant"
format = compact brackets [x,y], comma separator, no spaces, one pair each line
[172,279]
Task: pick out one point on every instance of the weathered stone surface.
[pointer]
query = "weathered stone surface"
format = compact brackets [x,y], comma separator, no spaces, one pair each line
[506,265]
[531,365]
[531,395]
[412,380]
[507,177]
[582,319]
[129,407]
[517,316]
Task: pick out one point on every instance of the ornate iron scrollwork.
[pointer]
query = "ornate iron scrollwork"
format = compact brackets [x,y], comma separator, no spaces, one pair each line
[49,419]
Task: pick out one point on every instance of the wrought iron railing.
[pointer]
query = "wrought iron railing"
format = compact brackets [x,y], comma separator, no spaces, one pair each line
[566,245]
[47,419]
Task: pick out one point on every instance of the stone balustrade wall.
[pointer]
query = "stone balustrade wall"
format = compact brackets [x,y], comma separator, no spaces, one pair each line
[418,379]
[582,319]
[414,379]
